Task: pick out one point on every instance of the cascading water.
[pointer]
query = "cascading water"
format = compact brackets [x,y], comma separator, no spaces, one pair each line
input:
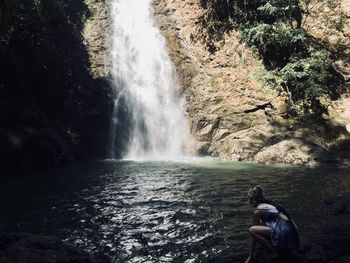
[147,92]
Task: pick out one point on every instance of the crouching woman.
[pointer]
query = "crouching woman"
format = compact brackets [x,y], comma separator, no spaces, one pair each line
[272,225]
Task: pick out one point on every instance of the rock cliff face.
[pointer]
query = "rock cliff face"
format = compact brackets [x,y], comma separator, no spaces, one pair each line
[329,25]
[232,115]
[54,100]
[97,35]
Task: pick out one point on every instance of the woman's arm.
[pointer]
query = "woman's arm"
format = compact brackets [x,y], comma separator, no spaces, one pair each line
[257,216]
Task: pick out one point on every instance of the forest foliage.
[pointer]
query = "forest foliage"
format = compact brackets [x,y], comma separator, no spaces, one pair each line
[39,44]
[292,60]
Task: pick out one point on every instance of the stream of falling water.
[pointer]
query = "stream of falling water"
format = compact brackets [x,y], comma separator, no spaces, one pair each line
[147,94]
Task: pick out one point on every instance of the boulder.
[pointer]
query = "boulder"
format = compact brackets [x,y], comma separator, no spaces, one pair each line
[292,151]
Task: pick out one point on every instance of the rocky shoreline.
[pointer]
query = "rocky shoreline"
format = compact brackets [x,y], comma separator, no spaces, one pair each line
[28,248]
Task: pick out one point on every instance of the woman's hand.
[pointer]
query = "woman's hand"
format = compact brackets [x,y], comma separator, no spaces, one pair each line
[248,260]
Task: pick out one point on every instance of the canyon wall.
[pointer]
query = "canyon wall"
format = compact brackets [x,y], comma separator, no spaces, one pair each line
[55,102]
[233,115]
[56,97]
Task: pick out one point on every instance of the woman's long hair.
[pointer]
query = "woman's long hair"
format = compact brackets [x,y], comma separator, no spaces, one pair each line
[256,194]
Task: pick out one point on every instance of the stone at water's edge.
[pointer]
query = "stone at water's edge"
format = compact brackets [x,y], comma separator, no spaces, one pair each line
[293,151]
[25,248]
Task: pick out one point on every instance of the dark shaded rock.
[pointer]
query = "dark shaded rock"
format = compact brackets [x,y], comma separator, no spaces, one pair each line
[53,111]
[27,248]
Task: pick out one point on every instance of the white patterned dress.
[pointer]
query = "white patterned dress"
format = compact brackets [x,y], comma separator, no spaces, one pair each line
[284,232]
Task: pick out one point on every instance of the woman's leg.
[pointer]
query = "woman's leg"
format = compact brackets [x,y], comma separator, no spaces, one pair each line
[251,251]
[260,234]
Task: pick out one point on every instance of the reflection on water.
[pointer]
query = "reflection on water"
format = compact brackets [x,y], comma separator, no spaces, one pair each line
[161,211]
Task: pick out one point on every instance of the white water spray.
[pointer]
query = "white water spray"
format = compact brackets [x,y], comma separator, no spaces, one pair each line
[146,84]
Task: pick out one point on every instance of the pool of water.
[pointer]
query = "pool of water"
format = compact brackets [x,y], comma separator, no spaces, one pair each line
[161,211]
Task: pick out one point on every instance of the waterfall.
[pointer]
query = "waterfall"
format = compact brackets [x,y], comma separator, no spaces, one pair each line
[148,119]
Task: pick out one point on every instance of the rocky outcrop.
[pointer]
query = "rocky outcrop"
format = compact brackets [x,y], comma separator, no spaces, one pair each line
[26,248]
[233,115]
[293,151]
[340,113]
[225,102]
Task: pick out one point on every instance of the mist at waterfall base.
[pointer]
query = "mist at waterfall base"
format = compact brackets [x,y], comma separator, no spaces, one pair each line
[149,118]
[161,211]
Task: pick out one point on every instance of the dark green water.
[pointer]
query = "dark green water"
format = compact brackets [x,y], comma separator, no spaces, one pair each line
[161,211]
